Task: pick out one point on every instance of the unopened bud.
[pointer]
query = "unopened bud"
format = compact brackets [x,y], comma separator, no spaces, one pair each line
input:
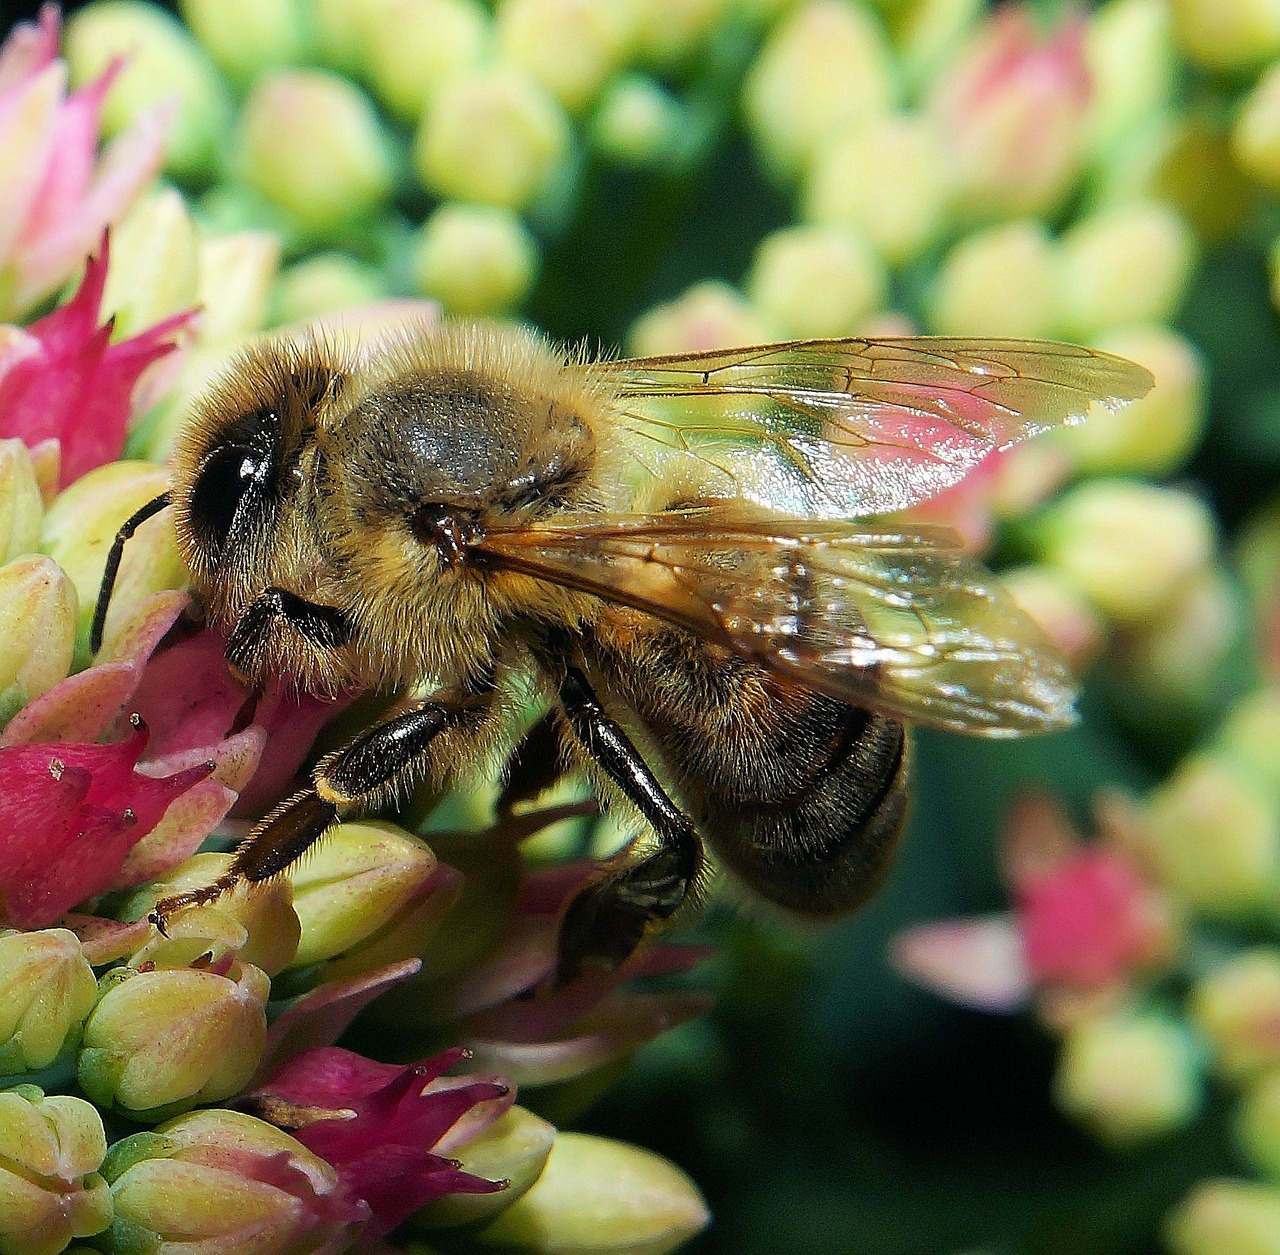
[514,1148]
[1064,616]
[410,47]
[571,47]
[1130,264]
[886,178]
[602,1196]
[321,284]
[355,887]
[1128,546]
[492,135]
[236,274]
[245,38]
[226,1182]
[47,988]
[1224,1217]
[1129,52]
[638,122]
[1228,34]
[926,34]
[50,1189]
[1000,282]
[160,1041]
[1255,139]
[81,524]
[1236,1008]
[709,315]
[311,144]
[1215,832]
[21,505]
[38,620]
[825,68]
[154,263]
[1251,734]
[1156,433]
[668,31]
[1128,1077]
[161,62]
[816,281]
[475,259]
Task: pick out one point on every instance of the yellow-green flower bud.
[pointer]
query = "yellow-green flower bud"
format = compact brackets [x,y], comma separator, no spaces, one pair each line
[162,62]
[21,505]
[236,274]
[668,31]
[571,47]
[1156,433]
[50,1190]
[886,178]
[47,988]
[363,887]
[154,265]
[708,315]
[826,67]
[602,1196]
[1128,1077]
[162,1041]
[1215,835]
[38,619]
[320,284]
[311,144]
[1179,656]
[1251,734]
[1128,49]
[1223,1217]
[999,282]
[475,259]
[255,922]
[1236,1008]
[1057,606]
[340,31]
[1130,264]
[410,47]
[1127,545]
[817,280]
[492,135]
[220,1182]
[514,1148]
[926,33]
[1255,139]
[1258,1122]
[247,37]
[1228,34]
[81,524]
[639,122]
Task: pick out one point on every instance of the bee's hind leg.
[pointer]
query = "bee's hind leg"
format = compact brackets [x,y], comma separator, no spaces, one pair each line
[608,919]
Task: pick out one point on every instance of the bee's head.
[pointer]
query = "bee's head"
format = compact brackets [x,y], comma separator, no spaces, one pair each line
[241,466]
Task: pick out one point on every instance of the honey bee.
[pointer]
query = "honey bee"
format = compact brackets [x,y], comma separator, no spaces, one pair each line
[672,553]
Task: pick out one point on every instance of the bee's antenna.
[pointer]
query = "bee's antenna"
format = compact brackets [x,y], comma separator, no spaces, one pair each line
[109,572]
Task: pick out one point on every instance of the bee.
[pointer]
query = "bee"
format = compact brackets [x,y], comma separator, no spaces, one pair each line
[678,556]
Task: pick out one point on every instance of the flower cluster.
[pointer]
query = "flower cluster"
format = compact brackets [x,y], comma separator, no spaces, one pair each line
[670,175]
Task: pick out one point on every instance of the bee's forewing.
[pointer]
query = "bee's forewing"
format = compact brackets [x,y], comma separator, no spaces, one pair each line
[897,620]
[847,428]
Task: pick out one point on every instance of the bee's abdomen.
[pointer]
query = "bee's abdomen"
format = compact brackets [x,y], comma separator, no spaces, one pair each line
[825,849]
[802,797]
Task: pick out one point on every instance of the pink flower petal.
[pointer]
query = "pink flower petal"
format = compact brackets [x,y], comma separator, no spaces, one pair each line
[978,963]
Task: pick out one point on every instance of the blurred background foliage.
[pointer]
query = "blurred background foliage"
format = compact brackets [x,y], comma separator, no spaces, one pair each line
[729,171]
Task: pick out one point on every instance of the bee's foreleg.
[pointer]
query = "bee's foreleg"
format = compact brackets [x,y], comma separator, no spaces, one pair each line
[353,778]
[608,919]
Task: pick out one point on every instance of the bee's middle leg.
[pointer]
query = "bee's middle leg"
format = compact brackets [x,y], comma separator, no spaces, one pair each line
[608,919]
[351,779]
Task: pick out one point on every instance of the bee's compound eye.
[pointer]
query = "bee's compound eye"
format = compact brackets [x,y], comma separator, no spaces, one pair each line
[226,476]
